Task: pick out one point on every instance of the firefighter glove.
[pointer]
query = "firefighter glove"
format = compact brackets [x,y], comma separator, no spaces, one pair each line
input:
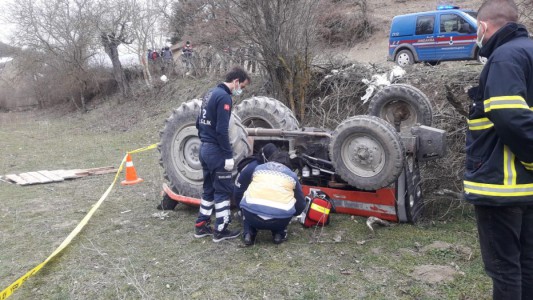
[229,164]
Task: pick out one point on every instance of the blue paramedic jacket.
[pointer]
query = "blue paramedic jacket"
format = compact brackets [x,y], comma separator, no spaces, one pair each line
[213,121]
[244,178]
[499,141]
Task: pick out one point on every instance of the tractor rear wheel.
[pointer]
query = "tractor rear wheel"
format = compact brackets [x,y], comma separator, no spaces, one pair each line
[266,112]
[366,152]
[402,105]
[180,148]
[413,203]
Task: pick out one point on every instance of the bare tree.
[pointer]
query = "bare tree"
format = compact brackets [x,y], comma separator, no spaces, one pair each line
[60,36]
[284,31]
[148,19]
[526,12]
[281,32]
[114,20]
[144,21]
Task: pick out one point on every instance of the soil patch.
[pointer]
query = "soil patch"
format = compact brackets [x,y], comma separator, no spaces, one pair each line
[434,273]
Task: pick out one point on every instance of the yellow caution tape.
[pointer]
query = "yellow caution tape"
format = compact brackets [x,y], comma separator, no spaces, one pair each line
[18,283]
[153,146]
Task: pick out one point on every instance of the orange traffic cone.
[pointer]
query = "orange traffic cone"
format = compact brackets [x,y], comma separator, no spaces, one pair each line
[131,174]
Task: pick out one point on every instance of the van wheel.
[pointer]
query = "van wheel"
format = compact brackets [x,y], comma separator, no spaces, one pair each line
[404,58]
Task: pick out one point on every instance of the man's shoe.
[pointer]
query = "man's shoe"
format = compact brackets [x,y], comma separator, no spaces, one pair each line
[279,238]
[225,234]
[249,239]
[202,229]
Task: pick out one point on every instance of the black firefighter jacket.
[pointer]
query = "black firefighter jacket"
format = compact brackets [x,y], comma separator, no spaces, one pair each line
[499,141]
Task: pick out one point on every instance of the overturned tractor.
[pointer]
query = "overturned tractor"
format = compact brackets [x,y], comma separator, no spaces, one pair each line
[368,165]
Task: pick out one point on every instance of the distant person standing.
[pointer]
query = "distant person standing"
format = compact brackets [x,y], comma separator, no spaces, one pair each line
[499,150]
[166,55]
[216,156]
[155,55]
[186,53]
[187,50]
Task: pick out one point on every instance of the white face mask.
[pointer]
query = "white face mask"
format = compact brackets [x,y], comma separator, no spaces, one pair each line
[237,91]
[479,39]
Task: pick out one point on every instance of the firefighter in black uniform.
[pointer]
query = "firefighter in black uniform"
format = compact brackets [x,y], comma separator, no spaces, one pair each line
[216,156]
[499,150]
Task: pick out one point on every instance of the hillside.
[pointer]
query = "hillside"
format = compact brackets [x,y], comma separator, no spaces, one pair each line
[7,50]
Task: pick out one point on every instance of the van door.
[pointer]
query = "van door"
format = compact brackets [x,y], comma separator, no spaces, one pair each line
[456,38]
[424,38]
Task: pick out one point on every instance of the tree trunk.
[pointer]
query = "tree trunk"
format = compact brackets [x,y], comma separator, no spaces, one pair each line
[146,70]
[112,51]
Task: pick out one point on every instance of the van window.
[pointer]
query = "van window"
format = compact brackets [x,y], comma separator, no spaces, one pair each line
[425,24]
[454,23]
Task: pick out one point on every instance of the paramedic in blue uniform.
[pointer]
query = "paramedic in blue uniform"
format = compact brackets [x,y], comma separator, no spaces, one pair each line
[246,168]
[216,156]
[273,197]
[499,151]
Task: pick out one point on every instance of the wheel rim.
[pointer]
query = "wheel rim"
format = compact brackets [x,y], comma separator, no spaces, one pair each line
[398,110]
[185,153]
[403,59]
[256,123]
[363,155]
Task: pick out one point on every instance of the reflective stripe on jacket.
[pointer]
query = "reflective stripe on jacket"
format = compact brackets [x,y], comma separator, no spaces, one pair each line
[275,192]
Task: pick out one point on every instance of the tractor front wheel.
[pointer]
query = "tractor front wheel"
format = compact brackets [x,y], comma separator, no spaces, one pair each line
[366,152]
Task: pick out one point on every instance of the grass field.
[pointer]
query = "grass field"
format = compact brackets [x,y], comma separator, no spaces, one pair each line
[129,251]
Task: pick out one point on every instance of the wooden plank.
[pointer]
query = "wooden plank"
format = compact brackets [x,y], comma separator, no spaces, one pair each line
[66,174]
[99,169]
[16,179]
[51,175]
[45,176]
[78,172]
[95,171]
[103,172]
[29,179]
[41,177]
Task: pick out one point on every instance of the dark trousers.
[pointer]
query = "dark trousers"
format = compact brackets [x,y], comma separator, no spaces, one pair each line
[218,187]
[506,241]
[252,222]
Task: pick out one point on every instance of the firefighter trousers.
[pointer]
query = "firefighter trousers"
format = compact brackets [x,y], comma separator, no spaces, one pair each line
[506,242]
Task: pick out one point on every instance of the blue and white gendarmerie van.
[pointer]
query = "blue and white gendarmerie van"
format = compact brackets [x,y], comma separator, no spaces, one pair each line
[447,33]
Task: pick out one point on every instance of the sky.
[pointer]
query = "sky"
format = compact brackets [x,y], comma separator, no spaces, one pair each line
[5,28]
[5,31]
